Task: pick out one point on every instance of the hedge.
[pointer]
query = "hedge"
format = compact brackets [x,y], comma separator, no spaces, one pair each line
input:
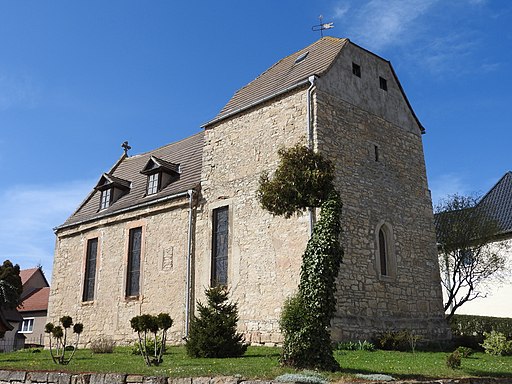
[469,325]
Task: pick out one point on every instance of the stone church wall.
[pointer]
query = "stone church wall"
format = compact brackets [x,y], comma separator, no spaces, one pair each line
[380,173]
[264,251]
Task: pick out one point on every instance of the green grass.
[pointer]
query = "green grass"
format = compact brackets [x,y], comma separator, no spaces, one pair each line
[262,362]
[407,365]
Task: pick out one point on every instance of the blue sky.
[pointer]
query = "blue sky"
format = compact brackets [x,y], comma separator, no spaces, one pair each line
[77,78]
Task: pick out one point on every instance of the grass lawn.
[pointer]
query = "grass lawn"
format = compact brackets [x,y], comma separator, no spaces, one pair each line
[262,362]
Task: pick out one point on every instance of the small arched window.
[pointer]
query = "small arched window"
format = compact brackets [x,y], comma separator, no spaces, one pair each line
[385,260]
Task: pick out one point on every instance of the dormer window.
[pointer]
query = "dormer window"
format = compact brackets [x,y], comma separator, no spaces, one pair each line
[153,183]
[160,174]
[111,188]
[105,198]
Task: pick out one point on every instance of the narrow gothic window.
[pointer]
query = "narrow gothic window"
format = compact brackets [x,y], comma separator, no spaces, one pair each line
[90,269]
[105,199]
[153,183]
[220,246]
[383,253]
[133,270]
[376,152]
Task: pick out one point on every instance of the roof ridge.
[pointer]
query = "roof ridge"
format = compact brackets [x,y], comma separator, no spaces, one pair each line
[201,132]
[508,173]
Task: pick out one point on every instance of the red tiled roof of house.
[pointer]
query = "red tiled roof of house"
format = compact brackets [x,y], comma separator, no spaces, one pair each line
[26,274]
[37,301]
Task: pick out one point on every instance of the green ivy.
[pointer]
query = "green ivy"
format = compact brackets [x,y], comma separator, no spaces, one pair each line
[305,179]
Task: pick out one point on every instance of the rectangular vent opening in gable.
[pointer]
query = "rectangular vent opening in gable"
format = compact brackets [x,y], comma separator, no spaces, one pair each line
[301,58]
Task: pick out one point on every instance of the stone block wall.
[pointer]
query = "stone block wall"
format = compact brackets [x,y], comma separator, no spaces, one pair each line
[28,377]
[163,272]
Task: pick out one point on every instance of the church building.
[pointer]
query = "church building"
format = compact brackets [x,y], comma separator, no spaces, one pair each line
[160,227]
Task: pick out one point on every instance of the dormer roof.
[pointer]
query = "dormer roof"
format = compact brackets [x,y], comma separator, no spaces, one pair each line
[155,164]
[108,181]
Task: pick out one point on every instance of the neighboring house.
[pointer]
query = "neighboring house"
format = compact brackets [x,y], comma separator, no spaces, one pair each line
[161,226]
[34,308]
[498,204]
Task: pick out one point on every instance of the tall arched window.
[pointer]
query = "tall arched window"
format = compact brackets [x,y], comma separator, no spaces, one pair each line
[385,258]
[383,253]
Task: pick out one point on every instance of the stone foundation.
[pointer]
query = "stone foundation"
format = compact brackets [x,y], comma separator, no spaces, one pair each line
[27,377]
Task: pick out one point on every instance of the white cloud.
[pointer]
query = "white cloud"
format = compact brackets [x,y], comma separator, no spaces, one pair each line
[417,33]
[341,10]
[29,213]
[378,24]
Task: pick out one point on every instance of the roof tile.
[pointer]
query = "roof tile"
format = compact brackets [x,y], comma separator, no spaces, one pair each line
[285,74]
[187,153]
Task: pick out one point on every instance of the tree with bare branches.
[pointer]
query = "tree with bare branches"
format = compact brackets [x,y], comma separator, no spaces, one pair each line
[470,253]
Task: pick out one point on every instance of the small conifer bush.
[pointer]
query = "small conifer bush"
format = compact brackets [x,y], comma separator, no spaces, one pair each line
[213,333]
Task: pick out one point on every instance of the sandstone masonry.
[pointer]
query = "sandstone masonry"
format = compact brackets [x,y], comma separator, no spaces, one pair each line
[357,117]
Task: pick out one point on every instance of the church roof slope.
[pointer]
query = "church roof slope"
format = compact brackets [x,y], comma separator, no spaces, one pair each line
[284,75]
[498,203]
[187,153]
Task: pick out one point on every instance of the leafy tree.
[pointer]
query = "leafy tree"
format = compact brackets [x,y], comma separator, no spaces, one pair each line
[213,332]
[147,328]
[59,333]
[10,285]
[469,255]
[305,179]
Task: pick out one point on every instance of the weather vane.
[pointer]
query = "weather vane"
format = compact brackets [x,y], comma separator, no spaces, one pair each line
[322,26]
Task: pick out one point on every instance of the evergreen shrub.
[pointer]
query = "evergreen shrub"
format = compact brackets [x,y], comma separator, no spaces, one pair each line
[213,333]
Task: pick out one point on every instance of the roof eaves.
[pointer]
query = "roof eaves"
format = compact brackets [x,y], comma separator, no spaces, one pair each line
[257,102]
[123,210]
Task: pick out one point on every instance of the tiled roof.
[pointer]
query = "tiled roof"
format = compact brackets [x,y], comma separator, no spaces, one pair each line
[498,203]
[37,301]
[26,274]
[285,74]
[187,153]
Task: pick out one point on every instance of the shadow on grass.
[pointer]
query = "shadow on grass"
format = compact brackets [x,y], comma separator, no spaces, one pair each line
[480,373]
[352,371]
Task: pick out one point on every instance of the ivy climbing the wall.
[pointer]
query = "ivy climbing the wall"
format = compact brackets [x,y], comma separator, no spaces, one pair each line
[305,179]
